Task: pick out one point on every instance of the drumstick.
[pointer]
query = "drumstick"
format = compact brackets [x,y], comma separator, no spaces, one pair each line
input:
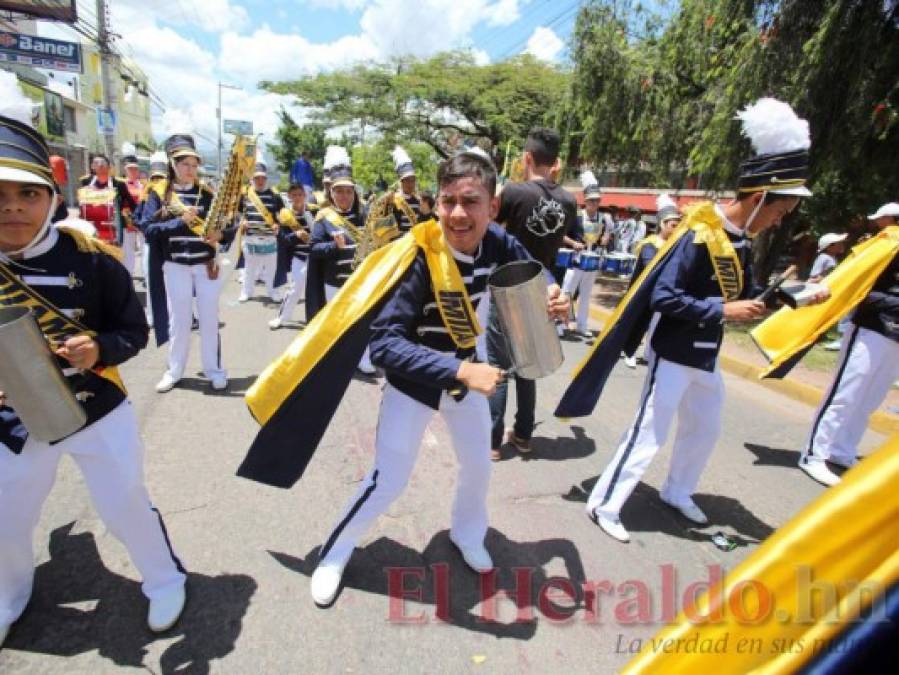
[777,283]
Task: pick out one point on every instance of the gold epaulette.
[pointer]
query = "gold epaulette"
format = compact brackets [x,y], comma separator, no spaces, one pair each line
[87,244]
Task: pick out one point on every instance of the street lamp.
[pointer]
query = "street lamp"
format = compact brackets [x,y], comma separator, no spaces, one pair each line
[218,112]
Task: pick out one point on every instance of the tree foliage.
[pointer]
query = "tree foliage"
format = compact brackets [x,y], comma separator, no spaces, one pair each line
[373,163]
[291,139]
[438,101]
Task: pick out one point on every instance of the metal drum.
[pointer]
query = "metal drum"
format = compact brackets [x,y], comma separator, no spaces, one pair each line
[519,291]
[628,263]
[32,380]
[588,261]
[564,257]
[612,263]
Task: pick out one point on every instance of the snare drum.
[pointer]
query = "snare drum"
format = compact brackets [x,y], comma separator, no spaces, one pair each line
[588,261]
[565,257]
[628,263]
[611,264]
[261,245]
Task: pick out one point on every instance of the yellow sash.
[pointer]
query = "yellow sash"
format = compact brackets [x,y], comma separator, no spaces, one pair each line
[790,331]
[54,324]
[373,279]
[706,223]
[199,226]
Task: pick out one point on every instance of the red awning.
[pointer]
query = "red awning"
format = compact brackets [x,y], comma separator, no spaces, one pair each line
[645,201]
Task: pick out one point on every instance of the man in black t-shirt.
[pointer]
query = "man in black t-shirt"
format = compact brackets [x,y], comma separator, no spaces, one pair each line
[539,213]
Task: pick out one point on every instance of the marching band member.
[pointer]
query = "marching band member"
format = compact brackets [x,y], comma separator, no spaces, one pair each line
[333,247]
[101,327]
[131,235]
[425,356]
[668,217]
[698,281]
[105,200]
[260,244]
[183,265]
[295,232]
[587,237]
[158,171]
[407,195]
[867,368]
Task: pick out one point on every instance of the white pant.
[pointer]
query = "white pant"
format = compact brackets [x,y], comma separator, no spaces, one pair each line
[258,267]
[867,368]
[401,426]
[696,396]
[182,282]
[109,453]
[131,243]
[365,361]
[298,274]
[582,282]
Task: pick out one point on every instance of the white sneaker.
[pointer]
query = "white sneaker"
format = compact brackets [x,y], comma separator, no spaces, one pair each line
[275,323]
[476,557]
[243,297]
[325,583]
[165,610]
[817,470]
[4,631]
[688,510]
[219,382]
[630,361]
[166,383]
[367,369]
[613,528]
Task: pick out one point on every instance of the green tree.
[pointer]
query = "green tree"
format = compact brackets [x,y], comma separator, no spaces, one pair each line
[374,161]
[437,101]
[292,139]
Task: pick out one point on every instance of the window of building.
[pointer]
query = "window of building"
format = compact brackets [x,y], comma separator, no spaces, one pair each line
[69,118]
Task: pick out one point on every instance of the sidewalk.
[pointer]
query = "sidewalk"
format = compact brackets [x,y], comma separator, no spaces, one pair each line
[801,385]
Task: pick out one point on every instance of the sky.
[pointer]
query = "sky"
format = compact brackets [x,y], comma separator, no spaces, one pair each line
[187,47]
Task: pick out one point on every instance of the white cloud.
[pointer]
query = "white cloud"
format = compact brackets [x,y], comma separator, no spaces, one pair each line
[210,16]
[544,44]
[351,5]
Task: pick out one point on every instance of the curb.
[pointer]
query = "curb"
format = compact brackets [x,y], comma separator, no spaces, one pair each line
[881,422]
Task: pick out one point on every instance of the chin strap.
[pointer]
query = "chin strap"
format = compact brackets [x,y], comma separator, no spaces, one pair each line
[755,212]
[38,238]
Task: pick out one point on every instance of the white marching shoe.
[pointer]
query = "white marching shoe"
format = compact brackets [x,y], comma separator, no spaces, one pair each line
[166,383]
[817,470]
[476,557]
[688,510]
[325,583]
[630,361]
[166,609]
[219,382]
[275,323]
[613,528]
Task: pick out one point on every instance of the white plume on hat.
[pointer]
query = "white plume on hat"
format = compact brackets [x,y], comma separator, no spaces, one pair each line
[336,155]
[588,179]
[400,157]
[13,103]
[128,149]
[773,127]
[664,200]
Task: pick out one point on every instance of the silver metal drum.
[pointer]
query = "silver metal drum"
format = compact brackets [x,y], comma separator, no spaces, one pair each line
[518,290]
[32,380]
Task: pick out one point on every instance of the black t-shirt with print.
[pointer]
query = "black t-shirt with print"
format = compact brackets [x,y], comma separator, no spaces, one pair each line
[538,213]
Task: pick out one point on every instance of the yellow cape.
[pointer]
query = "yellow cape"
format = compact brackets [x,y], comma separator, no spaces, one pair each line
[787,334]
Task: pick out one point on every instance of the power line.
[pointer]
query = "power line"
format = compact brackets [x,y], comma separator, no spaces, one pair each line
[567,13]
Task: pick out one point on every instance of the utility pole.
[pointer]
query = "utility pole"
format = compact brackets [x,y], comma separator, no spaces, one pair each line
[106,56]
[218,114]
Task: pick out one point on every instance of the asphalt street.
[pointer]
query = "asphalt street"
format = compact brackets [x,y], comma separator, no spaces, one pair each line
[250,549]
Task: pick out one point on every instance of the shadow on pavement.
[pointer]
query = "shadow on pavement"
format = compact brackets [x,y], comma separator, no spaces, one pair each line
[644,511]
[79,606]
[556,449]
[237,386]
[766,456]
[506,603]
